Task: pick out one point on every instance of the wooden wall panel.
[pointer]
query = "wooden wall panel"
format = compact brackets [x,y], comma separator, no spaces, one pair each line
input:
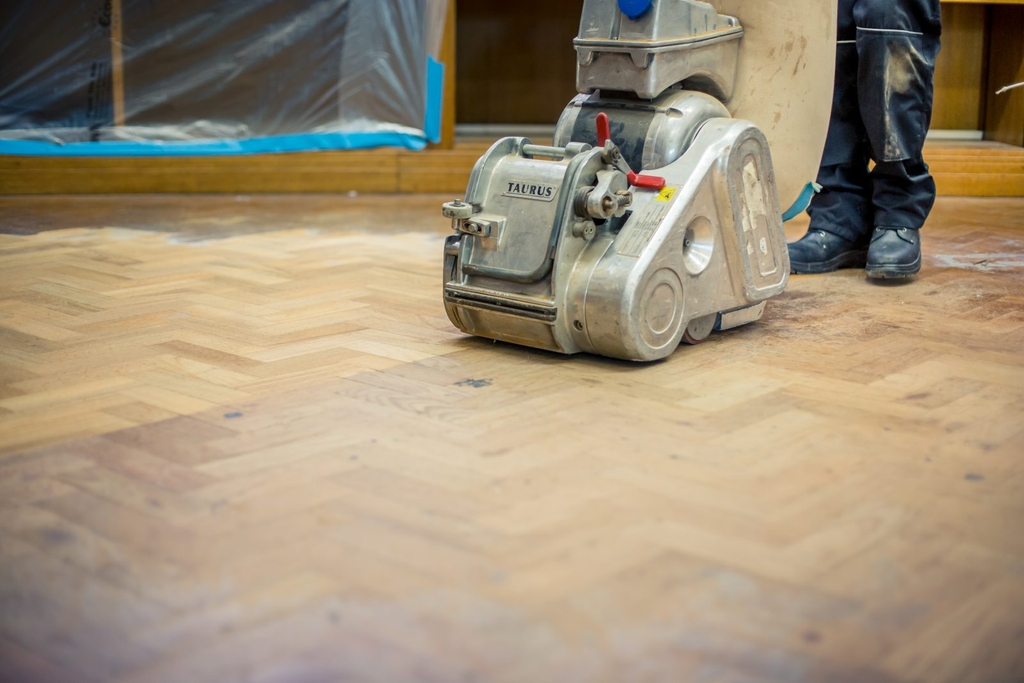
[1005,113]
[516,69]
[960,69]
[516,61]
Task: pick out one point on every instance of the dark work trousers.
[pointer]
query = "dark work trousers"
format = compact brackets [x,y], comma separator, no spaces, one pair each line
[881,110]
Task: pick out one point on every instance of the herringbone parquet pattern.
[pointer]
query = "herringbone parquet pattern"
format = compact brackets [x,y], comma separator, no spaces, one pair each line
[241,442]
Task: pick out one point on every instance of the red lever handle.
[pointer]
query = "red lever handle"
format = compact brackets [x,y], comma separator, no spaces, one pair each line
[651,182]
[604,134]
[604,129]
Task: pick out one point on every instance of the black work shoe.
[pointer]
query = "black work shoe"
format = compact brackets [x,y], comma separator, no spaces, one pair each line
[894,253]
[822,252]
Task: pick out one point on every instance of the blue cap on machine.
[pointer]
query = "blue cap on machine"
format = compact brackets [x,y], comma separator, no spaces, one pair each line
[634,8]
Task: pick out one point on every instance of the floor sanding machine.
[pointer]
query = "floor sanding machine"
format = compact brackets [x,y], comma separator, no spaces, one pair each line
[654,215]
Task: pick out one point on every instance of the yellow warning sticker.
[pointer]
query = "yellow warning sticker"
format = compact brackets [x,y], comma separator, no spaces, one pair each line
[666,194]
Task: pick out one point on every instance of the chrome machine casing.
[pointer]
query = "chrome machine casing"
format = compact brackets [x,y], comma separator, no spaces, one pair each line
[565,248]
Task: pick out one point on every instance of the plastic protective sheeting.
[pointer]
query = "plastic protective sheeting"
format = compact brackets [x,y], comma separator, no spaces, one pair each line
[145,77]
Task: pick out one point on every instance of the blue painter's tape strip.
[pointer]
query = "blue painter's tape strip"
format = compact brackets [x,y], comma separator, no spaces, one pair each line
[802,202]
[435,100]
[278,144]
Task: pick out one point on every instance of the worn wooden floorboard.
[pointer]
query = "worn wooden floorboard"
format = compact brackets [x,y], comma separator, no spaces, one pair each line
[240,441]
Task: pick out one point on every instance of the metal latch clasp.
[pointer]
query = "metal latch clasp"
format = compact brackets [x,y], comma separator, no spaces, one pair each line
[461,213]
[482,226]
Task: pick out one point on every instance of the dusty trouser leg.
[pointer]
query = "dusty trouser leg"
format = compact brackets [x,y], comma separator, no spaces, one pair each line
[842,214]
[904,193]
[843,207]
[897,43]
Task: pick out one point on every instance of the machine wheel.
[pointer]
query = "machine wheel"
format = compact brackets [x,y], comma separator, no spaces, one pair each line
[700,329]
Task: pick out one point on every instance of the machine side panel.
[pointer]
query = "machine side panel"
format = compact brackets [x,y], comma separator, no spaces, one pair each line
[710,242]
[747,201]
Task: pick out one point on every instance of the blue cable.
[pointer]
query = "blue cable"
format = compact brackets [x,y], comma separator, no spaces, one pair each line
[802,202]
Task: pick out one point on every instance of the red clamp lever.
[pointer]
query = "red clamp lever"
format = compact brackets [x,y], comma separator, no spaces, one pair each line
[604,129]
[604,134]
[651,182]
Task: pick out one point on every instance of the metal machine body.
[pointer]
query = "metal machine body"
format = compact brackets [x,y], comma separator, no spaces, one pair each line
[672,43]
[567,248]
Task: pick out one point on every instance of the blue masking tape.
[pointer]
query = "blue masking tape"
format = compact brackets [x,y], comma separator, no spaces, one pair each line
[278,144]
[435,100]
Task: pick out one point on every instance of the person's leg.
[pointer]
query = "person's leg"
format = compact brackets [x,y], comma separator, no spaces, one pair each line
[897,43]
[842,213]
[904,193]
[841,216]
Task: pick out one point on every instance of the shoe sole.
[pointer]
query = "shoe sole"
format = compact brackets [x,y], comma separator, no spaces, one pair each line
[850,259]
[894,271]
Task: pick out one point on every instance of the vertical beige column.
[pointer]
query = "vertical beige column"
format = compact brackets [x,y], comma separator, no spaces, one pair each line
[116,62]
[784,85]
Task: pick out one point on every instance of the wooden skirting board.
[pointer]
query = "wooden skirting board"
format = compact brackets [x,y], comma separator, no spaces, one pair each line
[976,169]
[966,169]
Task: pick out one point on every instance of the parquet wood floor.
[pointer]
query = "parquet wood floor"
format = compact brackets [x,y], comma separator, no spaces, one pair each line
[240,441]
